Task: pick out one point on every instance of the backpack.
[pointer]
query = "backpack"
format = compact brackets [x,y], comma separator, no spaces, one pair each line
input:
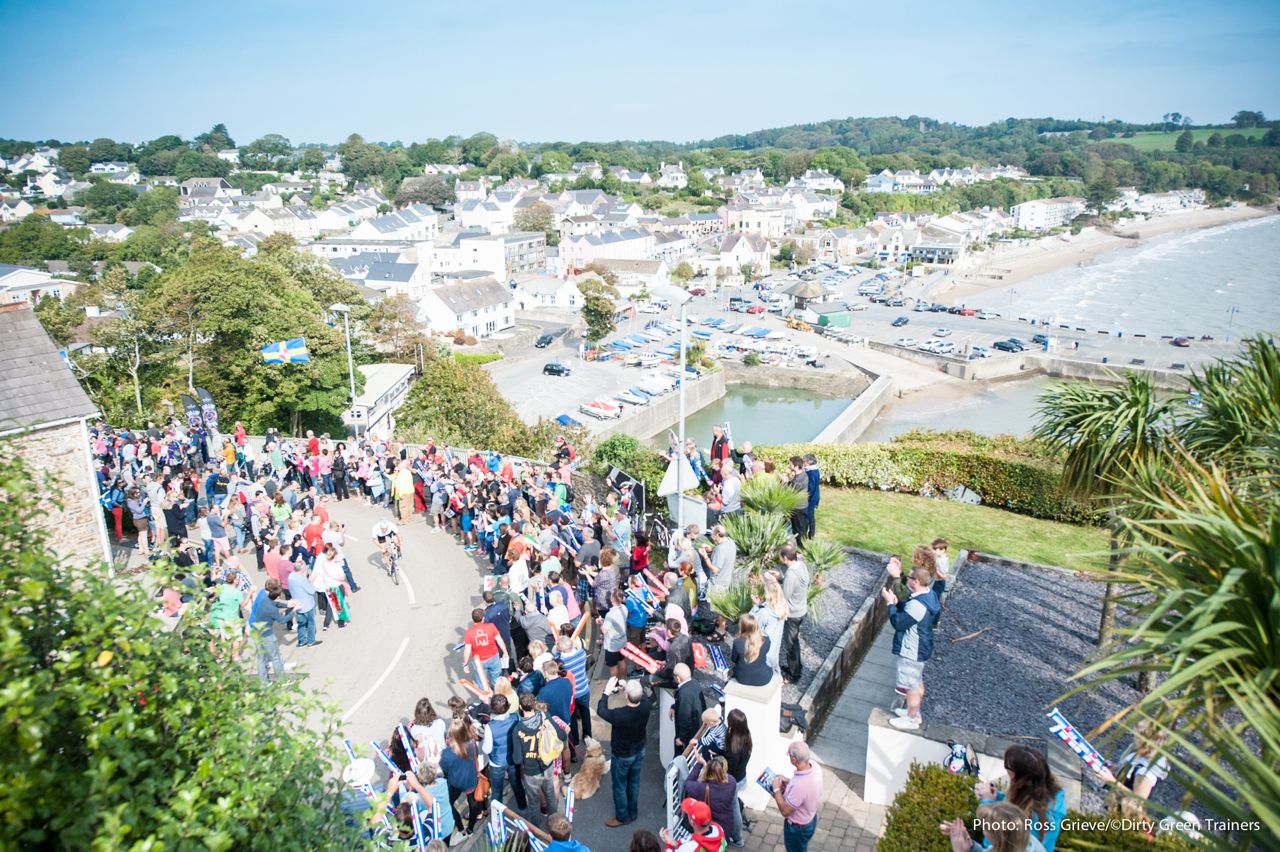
[961,760]
[550,745]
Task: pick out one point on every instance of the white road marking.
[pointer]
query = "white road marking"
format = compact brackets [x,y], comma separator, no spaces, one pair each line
[404,643]
[408,587]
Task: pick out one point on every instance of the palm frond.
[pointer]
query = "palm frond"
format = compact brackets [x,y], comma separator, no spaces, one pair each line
[765,493]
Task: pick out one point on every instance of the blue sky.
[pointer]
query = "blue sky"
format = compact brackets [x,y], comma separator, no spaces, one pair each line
[662,69]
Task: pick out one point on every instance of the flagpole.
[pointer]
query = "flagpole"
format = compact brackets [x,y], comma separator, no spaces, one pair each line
[345,310]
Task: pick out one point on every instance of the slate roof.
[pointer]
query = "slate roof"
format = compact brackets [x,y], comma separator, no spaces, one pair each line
[472,295]
[36,387]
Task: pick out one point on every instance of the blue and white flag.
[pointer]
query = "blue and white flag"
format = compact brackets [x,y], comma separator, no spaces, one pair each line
[287,352]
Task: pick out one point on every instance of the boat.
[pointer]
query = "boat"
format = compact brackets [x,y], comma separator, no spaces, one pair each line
[631,398]
[601,409]
[566,420]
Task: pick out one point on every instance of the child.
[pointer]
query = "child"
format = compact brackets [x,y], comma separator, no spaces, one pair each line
[941,565]
[640,554]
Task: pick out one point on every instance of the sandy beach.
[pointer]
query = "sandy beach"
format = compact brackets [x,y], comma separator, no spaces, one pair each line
[1012,264]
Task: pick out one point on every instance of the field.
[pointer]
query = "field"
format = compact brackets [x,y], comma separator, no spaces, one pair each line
[895,523]
[1155,140]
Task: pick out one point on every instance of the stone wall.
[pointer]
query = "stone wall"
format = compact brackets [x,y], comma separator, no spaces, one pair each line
[1069,368]
[76,530]
[846,384]
[659,414]
[855,419]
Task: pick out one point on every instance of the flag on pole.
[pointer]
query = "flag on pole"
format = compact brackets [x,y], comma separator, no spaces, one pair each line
[287,352]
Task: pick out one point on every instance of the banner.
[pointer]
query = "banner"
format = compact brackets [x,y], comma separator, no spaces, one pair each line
[208,409]
[192,409]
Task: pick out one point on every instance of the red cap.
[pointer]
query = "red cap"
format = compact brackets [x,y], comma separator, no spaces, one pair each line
[698,812]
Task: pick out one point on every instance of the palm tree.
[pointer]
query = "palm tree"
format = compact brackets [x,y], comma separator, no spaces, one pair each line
[1106,433]
[1206,556]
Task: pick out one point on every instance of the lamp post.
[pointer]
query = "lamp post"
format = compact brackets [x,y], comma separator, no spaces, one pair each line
[345,310]
[680,297]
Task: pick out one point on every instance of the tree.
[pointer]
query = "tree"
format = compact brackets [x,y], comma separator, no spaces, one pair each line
[697,184]
[215,139]
[262,153]
[154,207]
[130,341]
[683,273]
[393,324]
[104,150]
[431,189]
[1106,434]
[74,158]
[1099,193]
[312,160]
[1215,140]
[35,240]
[105,200]
[165,739]
[1248,118]
[193,164]
[458,403]
[598,308]
[537,217]
[59,319]
[1184,143]
[748,271]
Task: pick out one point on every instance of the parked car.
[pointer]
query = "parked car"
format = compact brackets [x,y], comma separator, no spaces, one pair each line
[739,304]
[942,332]
[921,307]
[698,291]
[938,309]
[926,345]
[986,315]
[943,347]
[1040,339]
[1022,344]
[1006,346]
[756,309]
[650,308]
[900,322]
[896,302]
[980,352]
[968,312]
[555,368]
[906,341]
[856,306]
[1181,342]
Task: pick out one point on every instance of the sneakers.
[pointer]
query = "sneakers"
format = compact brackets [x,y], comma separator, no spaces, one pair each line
[906,723]
[899,711]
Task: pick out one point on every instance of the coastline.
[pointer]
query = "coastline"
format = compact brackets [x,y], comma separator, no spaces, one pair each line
[1006,265]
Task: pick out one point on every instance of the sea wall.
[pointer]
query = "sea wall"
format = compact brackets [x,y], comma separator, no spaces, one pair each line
[658,415]
[843,383]
[1070,368]
[855,419]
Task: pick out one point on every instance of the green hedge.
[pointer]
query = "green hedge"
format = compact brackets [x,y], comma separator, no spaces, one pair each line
[932,796]
[1008,473]
[476,357]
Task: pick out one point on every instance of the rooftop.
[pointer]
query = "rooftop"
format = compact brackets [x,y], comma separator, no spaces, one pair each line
[36,387]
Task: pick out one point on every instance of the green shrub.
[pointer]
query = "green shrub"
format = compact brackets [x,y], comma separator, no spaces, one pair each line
[733,601]
[932,796]
[752,360]
[769,495]
[758,536]
[1099,837]
[617,450]
[1008,473]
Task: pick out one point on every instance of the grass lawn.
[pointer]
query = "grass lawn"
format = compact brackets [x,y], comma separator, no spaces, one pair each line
[895,523]
[1155,140]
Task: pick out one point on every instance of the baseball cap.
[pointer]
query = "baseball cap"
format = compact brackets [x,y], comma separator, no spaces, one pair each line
[699,813]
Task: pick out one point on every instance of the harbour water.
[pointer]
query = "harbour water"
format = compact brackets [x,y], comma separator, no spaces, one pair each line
[1001,408]
[1183,284]
[764,415]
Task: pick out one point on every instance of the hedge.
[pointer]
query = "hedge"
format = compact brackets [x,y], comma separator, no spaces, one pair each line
[933,795]
[1007,473]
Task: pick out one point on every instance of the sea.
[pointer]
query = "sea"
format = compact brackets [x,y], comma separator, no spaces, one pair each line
[1218,281]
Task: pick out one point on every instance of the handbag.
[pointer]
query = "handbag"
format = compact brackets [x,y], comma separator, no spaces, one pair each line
[481,792]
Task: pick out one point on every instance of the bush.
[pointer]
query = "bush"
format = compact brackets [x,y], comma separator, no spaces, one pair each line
[751,360]
[932,796]
[769,495]
[1008,473]
[1100,837]
[734,601]
[617,450]
[758,535]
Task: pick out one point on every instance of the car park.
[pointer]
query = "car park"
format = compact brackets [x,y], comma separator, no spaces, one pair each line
[544,341]
[900,322]
[555,368]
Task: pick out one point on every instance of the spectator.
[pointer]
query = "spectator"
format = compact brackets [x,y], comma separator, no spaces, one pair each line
[710,783]
[749,661]
[498,613]
[1033,789]
[304,601]
[614,628]
[428,731]
[690,702]
[556,692]
[707,836]
[912,622]
[730,490]
[1139,769]
[815,492]
[720,562]
[941,564]
[771,613]
[798,797]
[538,778]
[561,831]
[795,586]
[574,660]
[645,841]
[460,763]
[629,724]
[1004,828]
[737,752]
[799,482]
[267,611]
[483,642]
[501,770]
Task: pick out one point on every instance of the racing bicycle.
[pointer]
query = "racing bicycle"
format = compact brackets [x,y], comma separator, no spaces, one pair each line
[393,562]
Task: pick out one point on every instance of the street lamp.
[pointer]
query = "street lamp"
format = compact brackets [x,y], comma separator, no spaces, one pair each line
[345,310]
[681,298]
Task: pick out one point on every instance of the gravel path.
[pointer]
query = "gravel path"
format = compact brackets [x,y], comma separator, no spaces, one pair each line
[844,589]
[1038,628]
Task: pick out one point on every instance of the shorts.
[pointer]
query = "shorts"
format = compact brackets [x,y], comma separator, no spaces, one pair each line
[437,506]
[910,674]
[466,523]
[612,658]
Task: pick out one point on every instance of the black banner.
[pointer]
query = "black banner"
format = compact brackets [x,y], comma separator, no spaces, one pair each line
[208,410]
[192,409]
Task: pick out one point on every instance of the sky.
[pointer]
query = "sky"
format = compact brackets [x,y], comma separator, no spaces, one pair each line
[679,70]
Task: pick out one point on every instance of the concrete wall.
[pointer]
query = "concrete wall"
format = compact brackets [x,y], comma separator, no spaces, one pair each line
[855,419]
[847,383]
[658,415]
[1069,368]
[77,531]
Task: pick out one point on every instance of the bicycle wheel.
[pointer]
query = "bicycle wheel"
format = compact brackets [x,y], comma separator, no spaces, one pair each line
[395,571]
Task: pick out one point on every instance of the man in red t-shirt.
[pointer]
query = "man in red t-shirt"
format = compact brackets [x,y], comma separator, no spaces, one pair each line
[313,534]
[483,642]
[313,444]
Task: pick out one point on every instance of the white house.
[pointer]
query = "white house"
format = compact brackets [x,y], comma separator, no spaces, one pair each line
[392,278]
[817,180]
[738,248]
[478,308]
[534,290]
[24,284]
[385,387]
[415,223]
[672,177]
[629,176]
[470,190]
[1045,213]
[113,167]
[771,221]
[110,233]
[230,155]
[905,181]
[14,210]
[635,275]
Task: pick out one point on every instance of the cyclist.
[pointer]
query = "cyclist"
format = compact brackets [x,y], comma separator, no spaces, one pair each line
[385,532]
